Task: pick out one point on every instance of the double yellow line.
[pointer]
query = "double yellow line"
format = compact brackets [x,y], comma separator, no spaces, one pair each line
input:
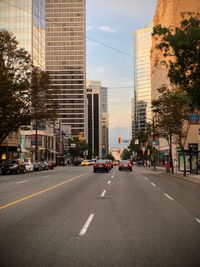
[40,192]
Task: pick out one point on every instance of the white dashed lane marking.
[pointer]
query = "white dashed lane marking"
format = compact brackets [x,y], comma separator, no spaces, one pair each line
[168,196]
[21,182]
[86,225]
[103,193]
[197,220]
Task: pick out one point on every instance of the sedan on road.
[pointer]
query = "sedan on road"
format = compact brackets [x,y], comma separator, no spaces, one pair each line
[85,163]
[125,165]
[101,165]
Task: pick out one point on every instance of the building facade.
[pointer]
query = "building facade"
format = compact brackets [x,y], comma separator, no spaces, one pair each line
[168,14]
[97,112]
[141,103]
[66,60]
[26,21]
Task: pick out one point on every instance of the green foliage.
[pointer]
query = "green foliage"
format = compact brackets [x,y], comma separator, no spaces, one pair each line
[181,48]
[15,77]
[171,111]
[43,105]
[24,89]
[110,156]
[79,149]
[126,154]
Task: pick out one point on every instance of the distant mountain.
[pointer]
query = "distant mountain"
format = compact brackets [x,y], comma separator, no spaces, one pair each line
[114,133]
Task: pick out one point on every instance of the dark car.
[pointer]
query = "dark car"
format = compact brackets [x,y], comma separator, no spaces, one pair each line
[51,165]
[101,165]
[13,166]
[45,165]
[125,165]
[37,166]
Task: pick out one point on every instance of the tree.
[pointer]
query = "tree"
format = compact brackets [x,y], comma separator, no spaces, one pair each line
[43,105]
[110,156]
[15,77]
[171,111]
[180,47]
[80,147]
[126,154]
[136,144]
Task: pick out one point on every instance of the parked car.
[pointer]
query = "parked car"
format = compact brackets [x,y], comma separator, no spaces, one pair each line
[101,165]
[125,165]
[28,165]
[37,166]
[45,165]
[51,165]
[13,166]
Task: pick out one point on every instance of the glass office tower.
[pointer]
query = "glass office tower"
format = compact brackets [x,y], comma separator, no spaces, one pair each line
[66,61]
[142,91]
[26,20]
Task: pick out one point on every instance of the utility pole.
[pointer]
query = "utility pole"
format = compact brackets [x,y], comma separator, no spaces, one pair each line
[153,145]
[36,139]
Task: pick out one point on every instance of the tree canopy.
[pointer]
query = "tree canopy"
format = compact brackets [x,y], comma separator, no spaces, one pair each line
[171,110]
[15,77]
[24,89]
[181,48]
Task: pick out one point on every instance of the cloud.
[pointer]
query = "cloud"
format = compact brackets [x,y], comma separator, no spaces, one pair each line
[106,29]
[101,28]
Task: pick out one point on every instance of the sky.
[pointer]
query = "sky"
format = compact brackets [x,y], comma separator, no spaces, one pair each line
[113,23]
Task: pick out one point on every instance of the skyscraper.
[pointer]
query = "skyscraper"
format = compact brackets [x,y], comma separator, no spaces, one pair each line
[97,110]
[65,60]
[26,20]
[142,92]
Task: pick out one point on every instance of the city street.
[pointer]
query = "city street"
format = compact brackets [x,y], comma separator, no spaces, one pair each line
[71,216]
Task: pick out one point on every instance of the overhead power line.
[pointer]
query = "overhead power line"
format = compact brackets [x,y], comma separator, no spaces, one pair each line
[89,38]
[108,46]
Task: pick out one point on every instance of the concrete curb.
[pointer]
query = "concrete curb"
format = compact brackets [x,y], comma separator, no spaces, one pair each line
[189,177]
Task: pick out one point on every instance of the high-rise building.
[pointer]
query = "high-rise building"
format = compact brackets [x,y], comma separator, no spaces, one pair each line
[26,21]
[141,111]
[105,121]
[97,110]
[66,60]
[168,14]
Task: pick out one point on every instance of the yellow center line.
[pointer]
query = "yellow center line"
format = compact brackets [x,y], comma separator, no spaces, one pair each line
[40,192]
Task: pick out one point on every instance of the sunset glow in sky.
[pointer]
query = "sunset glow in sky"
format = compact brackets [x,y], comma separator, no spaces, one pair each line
[113,23]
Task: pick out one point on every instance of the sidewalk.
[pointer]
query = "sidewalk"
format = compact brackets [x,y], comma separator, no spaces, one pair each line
[194,178]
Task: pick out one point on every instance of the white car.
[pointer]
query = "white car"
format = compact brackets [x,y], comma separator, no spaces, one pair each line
[28,165]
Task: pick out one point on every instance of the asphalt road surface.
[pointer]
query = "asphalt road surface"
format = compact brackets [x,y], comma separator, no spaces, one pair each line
[71,216]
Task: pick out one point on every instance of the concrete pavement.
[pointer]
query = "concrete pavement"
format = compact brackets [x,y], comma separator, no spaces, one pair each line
[81,218]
